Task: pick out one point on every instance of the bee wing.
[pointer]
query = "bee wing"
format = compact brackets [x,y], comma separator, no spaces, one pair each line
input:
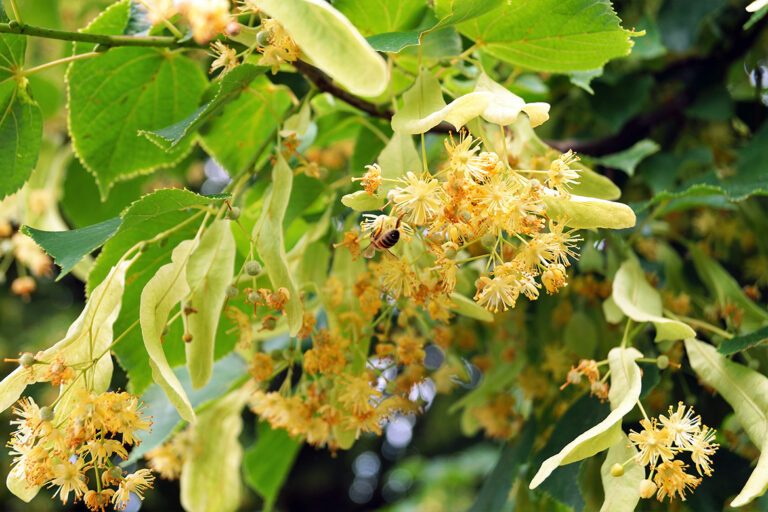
[369,252]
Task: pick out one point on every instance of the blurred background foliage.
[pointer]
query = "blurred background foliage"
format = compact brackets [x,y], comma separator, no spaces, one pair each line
[671,124]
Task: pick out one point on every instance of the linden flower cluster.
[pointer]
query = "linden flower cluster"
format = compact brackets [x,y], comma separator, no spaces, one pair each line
[661,440]
[280,47]
[476,199]
[60,452]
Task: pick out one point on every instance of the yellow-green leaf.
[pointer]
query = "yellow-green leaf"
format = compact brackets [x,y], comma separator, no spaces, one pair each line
[625,390]
[621,493]
[271,244]
[209,273]
[746,391]
[362,201]
[642,303]
[210,477]
[89,336]
[332,43]
[16,482]
[424,107]
[397,158]
[164,291]
[505,106]
[470,308]
[588,212]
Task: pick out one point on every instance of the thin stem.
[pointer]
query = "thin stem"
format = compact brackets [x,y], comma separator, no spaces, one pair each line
[16,13]
[82,56]
[642,410]
[106,40]
[625,338]
[701,324]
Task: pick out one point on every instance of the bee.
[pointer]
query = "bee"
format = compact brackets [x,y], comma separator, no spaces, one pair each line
[383,241]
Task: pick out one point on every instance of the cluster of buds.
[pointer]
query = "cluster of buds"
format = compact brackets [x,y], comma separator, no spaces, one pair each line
[588,368]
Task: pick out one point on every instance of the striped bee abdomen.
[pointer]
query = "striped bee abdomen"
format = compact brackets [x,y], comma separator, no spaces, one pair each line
[387,240]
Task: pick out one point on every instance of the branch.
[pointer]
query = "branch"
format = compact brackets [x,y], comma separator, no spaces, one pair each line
[64,35]
[693,72]
[324,83]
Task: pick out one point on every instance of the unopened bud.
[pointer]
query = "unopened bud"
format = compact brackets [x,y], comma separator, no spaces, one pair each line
[26,360]
[488,240]
[262,37]
[232,291]
[46,413]
[662,362]
[234,213]
[617,470]
[253,268]
[187,337]
[647,489]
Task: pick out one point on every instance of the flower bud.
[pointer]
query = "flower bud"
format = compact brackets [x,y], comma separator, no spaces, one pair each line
[617,470]
[262,37]
[662,362]
[46,413]
[253,297]
[232,291]
[116,472]
[488,240]
[187,337]
[26,360]
[253,268]
[450,253]
[647,489]
[234,213]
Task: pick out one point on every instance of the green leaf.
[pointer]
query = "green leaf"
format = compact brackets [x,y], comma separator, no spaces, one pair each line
[271,245]
[628,159]
[393,42]
[245,124]
[727,290]
[743,342]
[21,131]
[494,493]
[469,308]
[164,291]
[583,79]
[621,493]
[209,273]
[268,462]
[227,89]
[588,212]
[397,158]
[452,12]
[114,96]
[625,389]
[69,247]
[642,303]
[362,201]
[424,107]
[210,477]
[12,51]
[344,54]
[379,17]
[746,391]
[165,418]
[551,35]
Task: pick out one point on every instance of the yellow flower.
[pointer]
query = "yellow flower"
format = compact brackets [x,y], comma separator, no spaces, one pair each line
[371,180]
[682,424]
[69,477]
[647,489]
[134,483]
[225,57]
[499,292]
[560,175]
[356,393]
[396,276]
[652,442]
[208,18]
[497,195]
[701,447]
[463,158]
[554,278]
[418,196]
[672,479]
[102,449]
